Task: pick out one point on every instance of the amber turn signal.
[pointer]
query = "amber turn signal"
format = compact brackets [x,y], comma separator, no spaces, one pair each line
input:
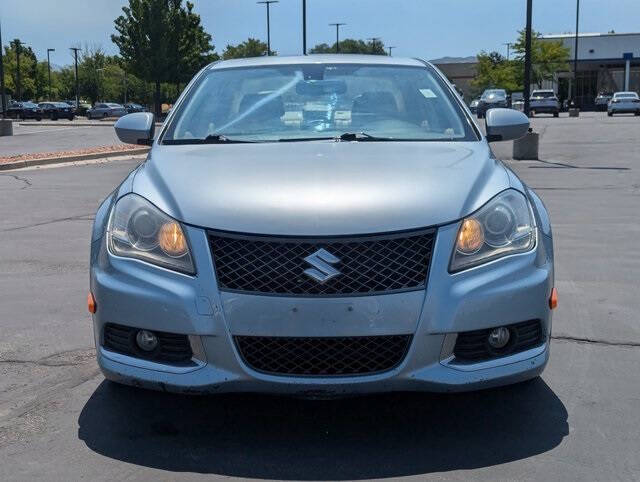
[91,303]
[553,299]
[172,240]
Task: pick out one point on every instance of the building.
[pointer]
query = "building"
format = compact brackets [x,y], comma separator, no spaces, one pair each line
[606,63]
[460,71]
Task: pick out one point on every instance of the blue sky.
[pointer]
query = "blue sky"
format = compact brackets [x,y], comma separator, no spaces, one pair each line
[419,28]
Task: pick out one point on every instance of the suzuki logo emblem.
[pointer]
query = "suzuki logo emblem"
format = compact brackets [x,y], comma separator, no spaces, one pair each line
[322,270]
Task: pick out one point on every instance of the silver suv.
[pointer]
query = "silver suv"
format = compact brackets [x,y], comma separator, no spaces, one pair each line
[544,102]
[321,225]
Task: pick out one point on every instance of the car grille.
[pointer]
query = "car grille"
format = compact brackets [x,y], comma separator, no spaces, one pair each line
[368,264]
[172,348]
[473,345]
[331,356]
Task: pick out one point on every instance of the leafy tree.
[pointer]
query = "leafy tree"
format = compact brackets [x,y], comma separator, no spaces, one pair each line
[547,57]
[249,48]
[493,70]
[27,69]
[161,41]
[352,46]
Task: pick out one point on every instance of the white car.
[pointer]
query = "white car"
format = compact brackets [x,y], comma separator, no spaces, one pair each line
[624,103]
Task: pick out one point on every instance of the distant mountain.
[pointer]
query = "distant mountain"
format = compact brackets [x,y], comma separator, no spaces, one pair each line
[455,60]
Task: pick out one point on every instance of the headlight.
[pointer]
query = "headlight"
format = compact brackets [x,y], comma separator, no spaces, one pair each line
[502,227]
[138,229]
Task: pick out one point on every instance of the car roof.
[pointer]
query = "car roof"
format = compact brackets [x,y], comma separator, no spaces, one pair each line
[543,90]
[626,92]
[318,59]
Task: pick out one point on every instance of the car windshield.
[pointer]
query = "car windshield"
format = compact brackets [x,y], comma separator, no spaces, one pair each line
[494,94]
[629,95]
[319,101]
[29,104]
[545,94]
[517,96]
[61,104]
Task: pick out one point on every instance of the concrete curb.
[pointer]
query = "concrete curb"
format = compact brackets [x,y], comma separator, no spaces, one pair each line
[80,157]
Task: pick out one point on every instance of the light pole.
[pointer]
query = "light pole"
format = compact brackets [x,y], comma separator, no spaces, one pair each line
[75,55]
[527,60]
[508,44]
[575,58]
[49,70]
[390,49]
[304,27]
[374,41]
[337,25]
[2,91]
[268,3]
[18,45]
[98,83]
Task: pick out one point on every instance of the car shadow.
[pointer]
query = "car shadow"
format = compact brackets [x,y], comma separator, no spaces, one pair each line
[270,437]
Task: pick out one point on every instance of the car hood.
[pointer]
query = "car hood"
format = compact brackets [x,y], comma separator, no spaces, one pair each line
[320,187]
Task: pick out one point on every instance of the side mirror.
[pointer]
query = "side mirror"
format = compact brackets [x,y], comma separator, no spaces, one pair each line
[505,124]
[136,128]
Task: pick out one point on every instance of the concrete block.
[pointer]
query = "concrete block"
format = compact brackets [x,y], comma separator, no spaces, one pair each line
[526,148]
[6,127]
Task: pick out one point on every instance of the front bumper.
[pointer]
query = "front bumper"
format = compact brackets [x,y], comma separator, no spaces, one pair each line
[505,291]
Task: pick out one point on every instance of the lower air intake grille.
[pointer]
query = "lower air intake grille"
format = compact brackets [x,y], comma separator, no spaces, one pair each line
[173,349]
[474,345]
[331,356]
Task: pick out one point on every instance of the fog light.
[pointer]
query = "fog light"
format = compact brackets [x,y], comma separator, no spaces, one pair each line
[146,340]
[499,337]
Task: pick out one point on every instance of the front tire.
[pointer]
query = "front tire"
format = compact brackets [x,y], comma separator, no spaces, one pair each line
[556,114]
[610,114]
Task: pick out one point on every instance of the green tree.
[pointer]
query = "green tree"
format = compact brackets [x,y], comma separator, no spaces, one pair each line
[493,70]
[249,48]
[547,57]
[27,70]
[352,46]
[161,41]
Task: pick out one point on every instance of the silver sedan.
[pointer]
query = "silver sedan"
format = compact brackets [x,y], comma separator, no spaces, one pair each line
[321,226]
[103,109]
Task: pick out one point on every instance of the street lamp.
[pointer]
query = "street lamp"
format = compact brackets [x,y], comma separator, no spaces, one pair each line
[18,45]
[575,58]
[508,44]
[2,91]
[49,69]
[268,3]
[390,49]
[304,27]
[527,60]
[75,55]
[337,25]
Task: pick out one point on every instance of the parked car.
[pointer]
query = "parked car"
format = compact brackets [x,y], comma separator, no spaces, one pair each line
[24,110]
[132,107]
[106,109]
[491,99]
[624,103]
[543,101]
[56,110]
[517,101]
[473,106]
[388,250]
[602,101]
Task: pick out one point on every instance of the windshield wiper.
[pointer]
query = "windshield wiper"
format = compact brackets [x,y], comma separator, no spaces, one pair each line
[347,136]
[210,139]
[361,137]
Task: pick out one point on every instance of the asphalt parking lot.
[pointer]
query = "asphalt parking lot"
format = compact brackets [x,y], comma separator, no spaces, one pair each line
[59,419]
[64,136]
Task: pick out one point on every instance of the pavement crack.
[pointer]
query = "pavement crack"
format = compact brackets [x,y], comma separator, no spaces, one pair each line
[593,341]
[24,180]
[79,217]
